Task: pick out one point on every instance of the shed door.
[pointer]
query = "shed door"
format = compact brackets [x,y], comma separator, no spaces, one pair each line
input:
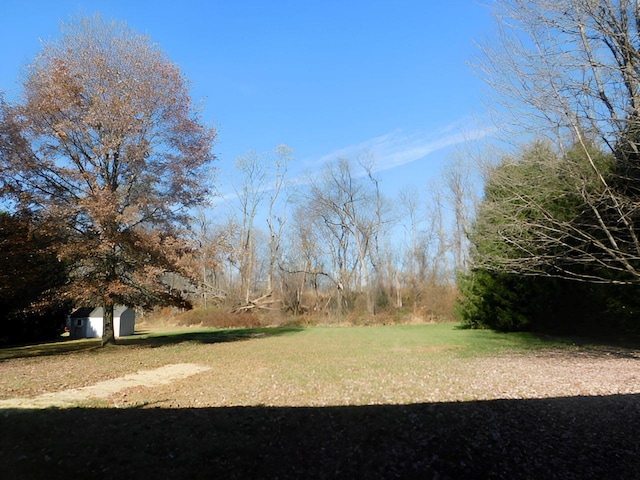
[78,328]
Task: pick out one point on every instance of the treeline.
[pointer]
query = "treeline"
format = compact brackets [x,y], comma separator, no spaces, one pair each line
[102,193]
[333,250]
[332,247]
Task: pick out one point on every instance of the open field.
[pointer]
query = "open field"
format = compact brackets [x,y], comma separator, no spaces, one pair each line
[426,401]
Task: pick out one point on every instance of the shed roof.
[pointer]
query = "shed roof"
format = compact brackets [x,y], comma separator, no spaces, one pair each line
[89,312]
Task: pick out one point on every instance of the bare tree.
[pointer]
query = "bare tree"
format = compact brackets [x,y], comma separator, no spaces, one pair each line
[302,265]
[570,70]
[107,144]
[212,247]
[413,214]
[262,182]
[250,195]
[434,249]
[339,205]
[381,223]
[462,199]
[276,221]
[426,263]
[226,277]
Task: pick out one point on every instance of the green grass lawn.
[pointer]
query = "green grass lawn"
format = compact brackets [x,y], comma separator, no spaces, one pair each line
[275,366]
[474,341]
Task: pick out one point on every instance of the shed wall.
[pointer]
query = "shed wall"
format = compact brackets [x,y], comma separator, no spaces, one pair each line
[92,327]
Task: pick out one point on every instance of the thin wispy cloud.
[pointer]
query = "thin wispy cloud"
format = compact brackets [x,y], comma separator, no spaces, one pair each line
[388,151]
[399,148]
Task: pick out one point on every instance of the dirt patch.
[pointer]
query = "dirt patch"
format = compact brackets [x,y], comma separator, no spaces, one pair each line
[145,378]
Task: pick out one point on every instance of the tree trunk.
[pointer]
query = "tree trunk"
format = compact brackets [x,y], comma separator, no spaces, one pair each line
[339,300]
[398,290]
[108,332]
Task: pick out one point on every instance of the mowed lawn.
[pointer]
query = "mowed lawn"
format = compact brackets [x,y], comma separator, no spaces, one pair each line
[415,401]
[280,366]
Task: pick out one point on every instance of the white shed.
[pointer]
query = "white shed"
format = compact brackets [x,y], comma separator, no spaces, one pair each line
[87,322]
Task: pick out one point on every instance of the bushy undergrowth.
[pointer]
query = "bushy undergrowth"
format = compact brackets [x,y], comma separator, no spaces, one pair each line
[220,318]
[205,318]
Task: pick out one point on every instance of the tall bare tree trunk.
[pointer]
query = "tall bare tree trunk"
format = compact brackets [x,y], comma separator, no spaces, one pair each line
[108,331]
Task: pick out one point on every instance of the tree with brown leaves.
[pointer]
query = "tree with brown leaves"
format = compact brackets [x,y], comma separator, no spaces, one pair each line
[107,143]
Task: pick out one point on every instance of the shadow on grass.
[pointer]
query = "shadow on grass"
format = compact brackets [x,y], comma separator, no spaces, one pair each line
[206,336]
[55,347]
[567,438]
[151,340]
[594,347]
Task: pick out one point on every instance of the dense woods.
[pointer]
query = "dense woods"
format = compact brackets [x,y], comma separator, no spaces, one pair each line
[331,247]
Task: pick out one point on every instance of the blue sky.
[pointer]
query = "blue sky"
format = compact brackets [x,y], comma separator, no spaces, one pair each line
[327,78]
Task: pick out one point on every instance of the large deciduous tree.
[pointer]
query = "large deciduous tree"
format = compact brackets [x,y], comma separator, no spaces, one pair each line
[107,143]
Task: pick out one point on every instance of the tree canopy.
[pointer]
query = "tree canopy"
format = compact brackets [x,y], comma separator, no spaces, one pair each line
[106,143]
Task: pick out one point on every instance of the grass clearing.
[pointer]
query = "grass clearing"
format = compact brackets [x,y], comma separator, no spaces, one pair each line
[281,366]
[410,401]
